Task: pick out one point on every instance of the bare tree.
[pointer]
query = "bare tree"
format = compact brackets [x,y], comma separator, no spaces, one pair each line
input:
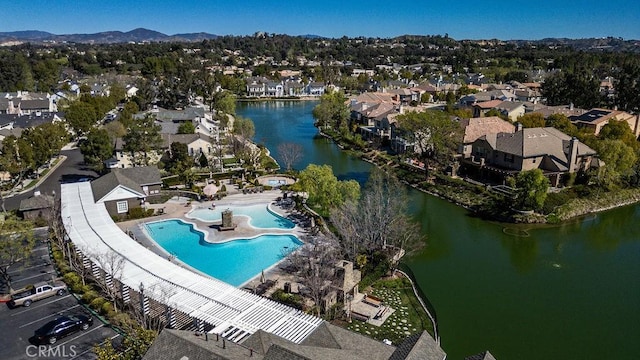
[16,242]
[290,153]
[378,220]
[77,262]
[56,226]
[112,265]
[155,319]
[345,219]
[318,270]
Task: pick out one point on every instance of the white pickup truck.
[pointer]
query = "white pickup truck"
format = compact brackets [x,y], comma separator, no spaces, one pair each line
[27,295]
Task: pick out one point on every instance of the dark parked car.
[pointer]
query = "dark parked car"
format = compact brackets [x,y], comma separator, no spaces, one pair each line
[61,327]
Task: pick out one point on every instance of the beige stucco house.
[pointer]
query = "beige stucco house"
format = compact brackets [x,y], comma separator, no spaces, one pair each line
[547,149]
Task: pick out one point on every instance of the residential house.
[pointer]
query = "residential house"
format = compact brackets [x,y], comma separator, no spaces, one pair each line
[374,98]
[607,87]
[548,149]
[326,342]
[316,89]
[546,111]
[170,120]
[484,96]
[293,87]
[197,144]
[27,103]
[365,72]
[256,87]
[122,190]
[474,128]
[36,206]
[131,91]
[36,106]
[595,119]
[511,109]
[429,89]
[405,96]
[6,132]
[274,89]
[485,355]
[7,106]
[528,95]
[100,89]
[372,117]
[481,108]
[31,121]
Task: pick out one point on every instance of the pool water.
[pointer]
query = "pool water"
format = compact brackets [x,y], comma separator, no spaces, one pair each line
[275,183]
[234,262]
[260,216]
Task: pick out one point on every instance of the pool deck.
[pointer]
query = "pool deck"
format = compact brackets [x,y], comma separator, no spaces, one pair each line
[178,208]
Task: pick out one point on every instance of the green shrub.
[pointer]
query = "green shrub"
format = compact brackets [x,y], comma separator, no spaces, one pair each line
[292,300]
[107,309]
[554,200]
[123,320]
[97,303]
[63,267]
[139,213]
[72,280]
[89,296]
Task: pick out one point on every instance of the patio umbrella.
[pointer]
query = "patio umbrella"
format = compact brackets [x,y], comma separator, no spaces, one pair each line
[210,190]
[262,277]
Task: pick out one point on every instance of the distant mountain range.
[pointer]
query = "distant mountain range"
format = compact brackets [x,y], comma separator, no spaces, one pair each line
[106,37]
[145,35]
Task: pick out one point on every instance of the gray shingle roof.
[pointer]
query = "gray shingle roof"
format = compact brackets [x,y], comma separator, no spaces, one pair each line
[131,178]
[168,139]
[531,142]
[327,342]
[30,121]
[176,344]
[419,347]
[189,113]
[34,104]
[36,202]
[482,356]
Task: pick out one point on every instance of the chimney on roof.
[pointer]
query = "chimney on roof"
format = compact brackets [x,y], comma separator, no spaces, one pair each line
[573,154]
[571,106]
[518,127]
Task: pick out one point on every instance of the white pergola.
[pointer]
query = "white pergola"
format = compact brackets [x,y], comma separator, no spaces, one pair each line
[232,312]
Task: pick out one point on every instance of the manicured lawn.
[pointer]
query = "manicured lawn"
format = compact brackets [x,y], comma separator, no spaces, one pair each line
[407,319]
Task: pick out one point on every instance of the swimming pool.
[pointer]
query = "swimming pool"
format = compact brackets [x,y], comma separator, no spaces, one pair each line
[260,216]
[276,183]
[234,262]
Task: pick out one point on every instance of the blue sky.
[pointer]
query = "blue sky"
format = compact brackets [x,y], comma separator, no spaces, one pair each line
[462,19]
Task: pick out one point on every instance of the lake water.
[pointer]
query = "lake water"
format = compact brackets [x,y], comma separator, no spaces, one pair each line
[563,292]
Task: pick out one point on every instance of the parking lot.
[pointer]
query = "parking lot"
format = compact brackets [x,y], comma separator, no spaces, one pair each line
[18,324]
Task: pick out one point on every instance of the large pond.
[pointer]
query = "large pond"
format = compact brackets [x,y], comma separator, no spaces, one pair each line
[564,292]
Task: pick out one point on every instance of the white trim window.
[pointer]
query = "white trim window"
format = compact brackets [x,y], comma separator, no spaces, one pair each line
[122,206]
